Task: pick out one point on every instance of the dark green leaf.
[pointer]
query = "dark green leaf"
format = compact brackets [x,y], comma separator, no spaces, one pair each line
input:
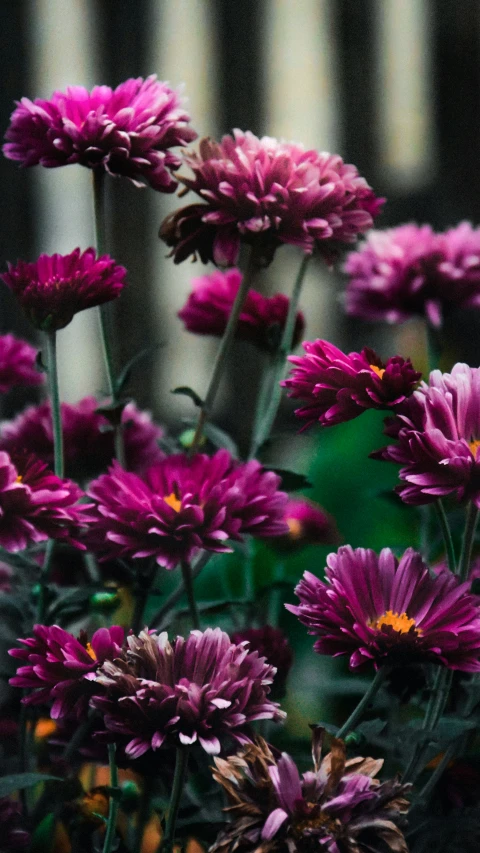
[39,364]
[188,392]
[221,439]
[44,835]
[291,481]
[19,781]
[124,376]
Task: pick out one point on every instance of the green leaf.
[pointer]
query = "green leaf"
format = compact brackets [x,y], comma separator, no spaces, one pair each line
[19,781]
[188,392]
[44,835]
[221,439]
[124,376]
[291,481]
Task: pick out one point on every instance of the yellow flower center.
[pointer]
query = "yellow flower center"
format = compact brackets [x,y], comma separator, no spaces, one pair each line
[400,622]
[90,652]
[295,528]
[19,479]
[173,501]
[474,445]
[378,370]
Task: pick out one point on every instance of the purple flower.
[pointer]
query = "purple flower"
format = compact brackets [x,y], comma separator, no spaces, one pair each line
[337,387]
[56,287]
[17,363]
[262,318]
[182,505]
[338,807]
[202,688]
[308,524]
[438,431]
[83,426]
[272,644]
[376,608]
[15,836]
[127,131]
[267,193]
[61,669]
[36,505]
[411,270]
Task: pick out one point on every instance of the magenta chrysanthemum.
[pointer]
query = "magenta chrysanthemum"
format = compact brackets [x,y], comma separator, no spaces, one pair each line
[438,431]
[60,669]
[17,363]
[308,524]
[56,287]
[411,270]
[337,387]
[262,318]
[268,193]
[127,131]
[202,688]
[377,609]
[273,645]
[83,427]
[182,505]
[339,807]
[36,505]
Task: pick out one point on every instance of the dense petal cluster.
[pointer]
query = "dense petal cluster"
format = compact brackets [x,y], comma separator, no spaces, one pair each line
[60,669]
[15,837]
[438,432]
[261,320]
[270,643]
[410,270]
[378,609]
[184,504]
[36,505]
[127,131]
[202,688]
[56,287]
[308,524]
[17,363]
[337,387]
[338,807]
[83,427]
[268,193]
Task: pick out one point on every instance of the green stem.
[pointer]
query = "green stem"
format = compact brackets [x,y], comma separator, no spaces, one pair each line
[51,346]
[143,814]
[224,349]
[447,536]
[363,704]
[467,543]
[141,599]
[166,844]
[188,584]
[435,709]
[113,807]
[271,390]
[427,789]
[434,347]
[169,604]
[44,576]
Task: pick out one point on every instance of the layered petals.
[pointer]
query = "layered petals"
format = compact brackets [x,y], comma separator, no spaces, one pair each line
[17,363]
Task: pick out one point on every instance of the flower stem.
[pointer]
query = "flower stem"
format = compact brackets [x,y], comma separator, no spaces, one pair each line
[363,704]
[169,604]
[143,591]
[113,807]
[467,543]
[271,390]
[51,346]
[447,536]
[166,845]
[44,576]
[188,584]
[224,349]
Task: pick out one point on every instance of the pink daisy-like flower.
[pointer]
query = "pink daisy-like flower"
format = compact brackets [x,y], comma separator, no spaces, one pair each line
[267,193]
[202,688]
[438,432]
[273,645]
[339,807]
[61,669]
[83,427]
[126,131]
[308,524]
[410,270]
[182,505]
[377,609]
[337,387]
[261,320]
[17,363]
[36,505]
[56,287]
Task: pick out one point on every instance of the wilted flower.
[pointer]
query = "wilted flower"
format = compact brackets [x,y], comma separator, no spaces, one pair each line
[15,836]
[56,287]
[339,806]
[17,363]
[270,643]
[261,320]
[83,427]
[376,608]
[267,193]
[61,669]
[337,387]
[438,433]
[411,270]
[184,504]
[127,131]
[308,524]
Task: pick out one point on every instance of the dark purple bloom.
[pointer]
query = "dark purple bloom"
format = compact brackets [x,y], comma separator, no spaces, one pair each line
[376,608]
[17,363]
[15,836]
[338,807]
[337,387]
[61,669]
[184,504]
[273,645]
[262,318]
[202,688]
[438,432]
[127,131]
[83,427]
[56,287]
[266,193]
[308,524]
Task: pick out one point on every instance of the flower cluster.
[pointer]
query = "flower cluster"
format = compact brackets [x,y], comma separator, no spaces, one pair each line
[17,363]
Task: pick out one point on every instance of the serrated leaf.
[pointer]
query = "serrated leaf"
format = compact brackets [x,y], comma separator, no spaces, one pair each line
[291,481]
[19,781]
[188,392]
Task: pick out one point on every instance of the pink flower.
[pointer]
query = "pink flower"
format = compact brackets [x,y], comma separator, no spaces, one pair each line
[56,287]
[273,645]
[17,363]
[308,524]
[267,193]
[261,321]
[127,131]
[337,387]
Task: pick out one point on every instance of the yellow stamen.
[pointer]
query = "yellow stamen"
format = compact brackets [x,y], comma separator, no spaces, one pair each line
[295,528]
[173,501]
[378,370]
[400,622]
[474,445]
[89,651]
[19,479]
